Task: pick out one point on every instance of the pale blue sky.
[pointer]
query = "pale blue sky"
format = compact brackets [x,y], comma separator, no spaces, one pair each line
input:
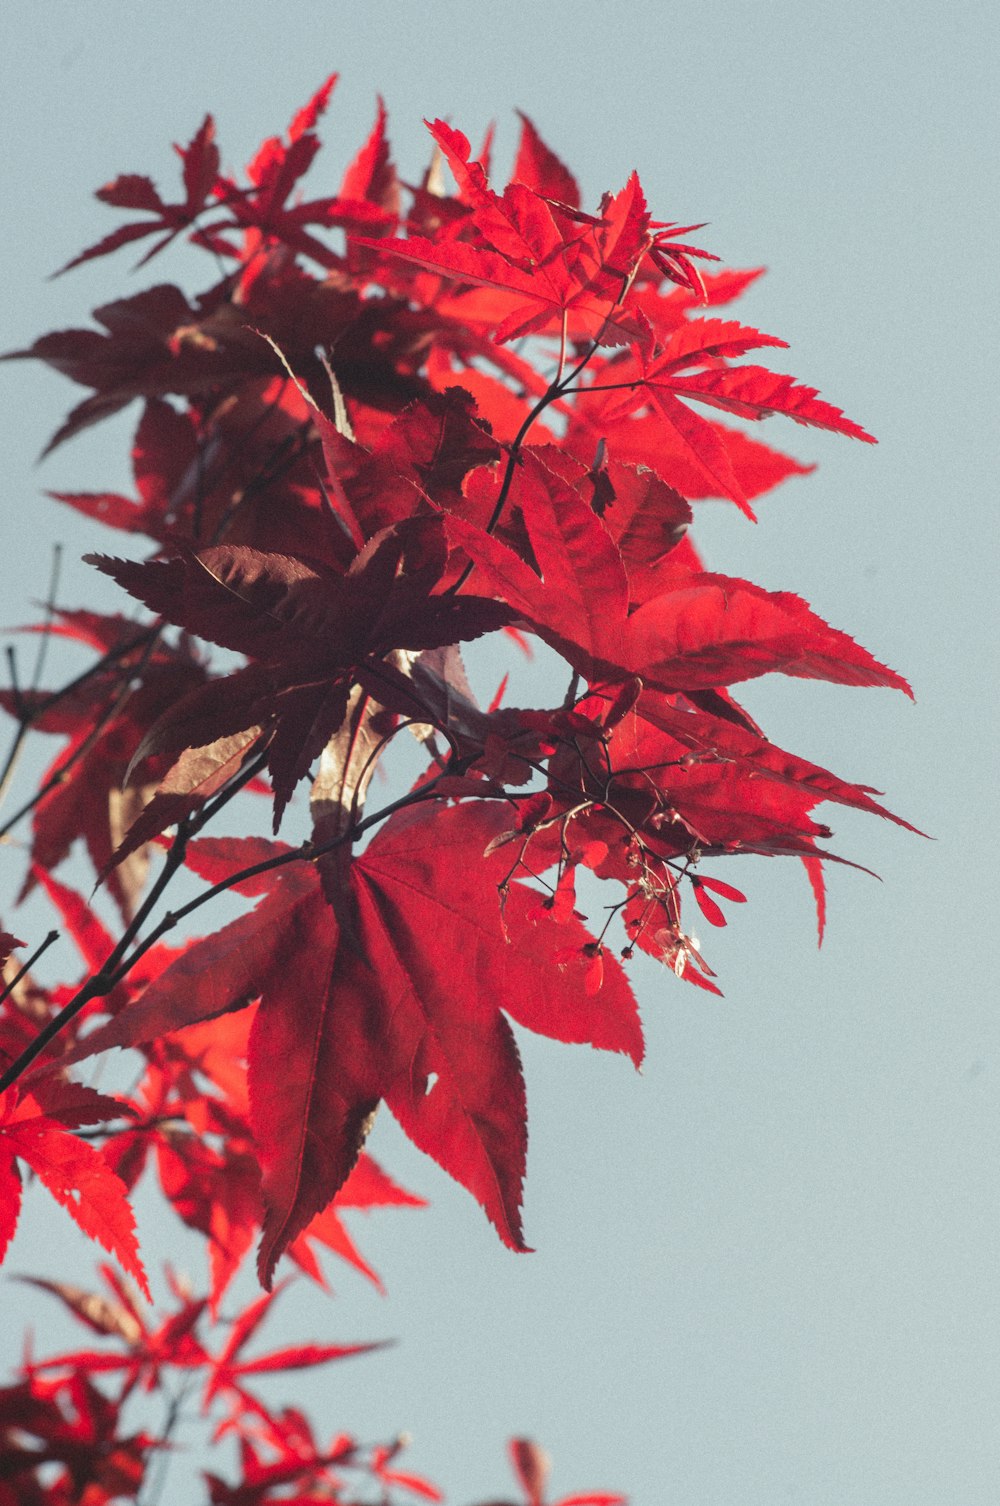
[767,1269]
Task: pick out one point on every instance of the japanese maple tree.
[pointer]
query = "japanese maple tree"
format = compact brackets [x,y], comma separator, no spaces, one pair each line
[399,418]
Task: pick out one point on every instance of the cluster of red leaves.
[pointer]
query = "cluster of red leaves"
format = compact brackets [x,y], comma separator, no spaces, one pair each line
[187,1117]
[347,470]
[66,1438]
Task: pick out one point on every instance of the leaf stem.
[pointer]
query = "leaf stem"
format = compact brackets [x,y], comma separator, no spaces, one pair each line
[82,749]
[112,971]
[27,717]
[43,946]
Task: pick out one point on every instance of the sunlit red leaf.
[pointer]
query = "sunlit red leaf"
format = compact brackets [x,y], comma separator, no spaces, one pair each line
[33,1129]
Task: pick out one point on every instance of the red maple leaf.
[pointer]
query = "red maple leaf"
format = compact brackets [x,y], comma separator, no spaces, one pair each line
[262,209]
[200,166]
[308,628]
[392,1017]
[228,1369]
[143,1348]
[548,259]
[699,631]
[35,1128]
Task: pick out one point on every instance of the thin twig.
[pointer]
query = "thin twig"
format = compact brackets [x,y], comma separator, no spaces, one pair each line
[83,748]
[43,946]
[28,716]
[112,972]
[50,612]
[556,389]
